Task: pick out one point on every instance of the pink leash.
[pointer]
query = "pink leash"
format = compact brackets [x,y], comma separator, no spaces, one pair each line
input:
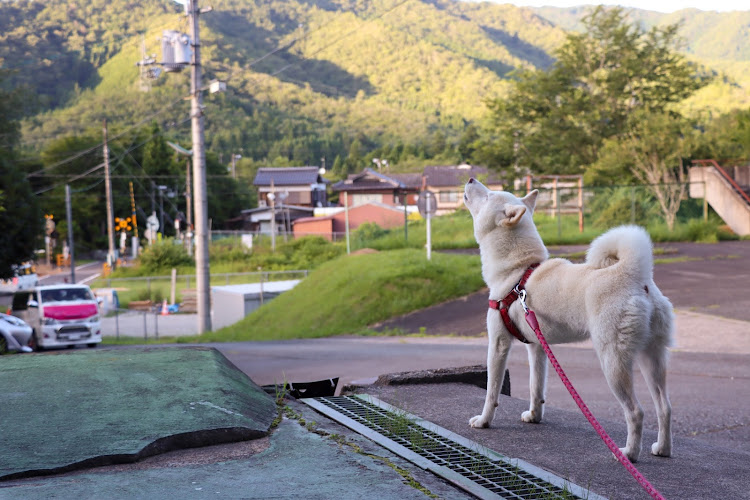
[534,324]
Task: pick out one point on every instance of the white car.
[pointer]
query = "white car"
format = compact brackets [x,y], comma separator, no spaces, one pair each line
[15,334]
[60,315]
[24,278]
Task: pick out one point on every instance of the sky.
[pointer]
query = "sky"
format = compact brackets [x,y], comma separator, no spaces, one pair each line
[659,6]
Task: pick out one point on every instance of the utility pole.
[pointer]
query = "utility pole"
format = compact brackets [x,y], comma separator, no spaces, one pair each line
[161,211]
[199,175]
[108,194]
[189,210]
[134,241]
[235,157]
[272,197]
[71,244]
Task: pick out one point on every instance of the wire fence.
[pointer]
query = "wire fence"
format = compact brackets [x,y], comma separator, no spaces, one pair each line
[573,206]
[152,291]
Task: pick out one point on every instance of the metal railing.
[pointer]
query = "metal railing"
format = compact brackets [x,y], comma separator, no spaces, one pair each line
[131,314]
[725,175]
[263,276]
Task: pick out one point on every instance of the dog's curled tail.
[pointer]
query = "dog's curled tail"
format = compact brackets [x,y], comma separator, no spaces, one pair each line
[630,245]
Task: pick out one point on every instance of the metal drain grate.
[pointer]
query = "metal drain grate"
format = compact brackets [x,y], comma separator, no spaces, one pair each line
[475,469]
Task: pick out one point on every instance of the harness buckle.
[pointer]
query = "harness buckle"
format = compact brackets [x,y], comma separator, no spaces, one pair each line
[522,298]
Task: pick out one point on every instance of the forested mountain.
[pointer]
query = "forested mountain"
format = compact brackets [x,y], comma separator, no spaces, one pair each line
[709,35]
[718,40]
[383,70]
[308,79]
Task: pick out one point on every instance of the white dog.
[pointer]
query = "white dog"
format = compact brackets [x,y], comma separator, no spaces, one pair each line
[611,299]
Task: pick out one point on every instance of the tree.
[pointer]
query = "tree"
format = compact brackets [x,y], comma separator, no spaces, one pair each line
[65,162]
[653,147]
[157,155]
[727,137]
[20,217]
[556,121]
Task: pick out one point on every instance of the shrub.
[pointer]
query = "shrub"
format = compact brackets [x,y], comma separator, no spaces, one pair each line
[368,231]
[163,255]
[616,206]
[309,252]
[228,250]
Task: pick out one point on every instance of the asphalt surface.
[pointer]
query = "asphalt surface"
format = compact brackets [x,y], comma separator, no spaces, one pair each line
[708,380]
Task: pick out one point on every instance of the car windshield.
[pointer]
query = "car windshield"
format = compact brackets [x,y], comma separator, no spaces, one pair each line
[65,295]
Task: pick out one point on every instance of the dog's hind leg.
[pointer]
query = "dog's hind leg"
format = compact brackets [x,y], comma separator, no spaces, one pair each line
[617,365]
[497,358]
[537,383]
[653,362]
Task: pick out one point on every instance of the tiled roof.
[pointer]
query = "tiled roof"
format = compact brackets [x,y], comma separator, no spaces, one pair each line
[409,180]
[444,176]
[370,180]
[288,176]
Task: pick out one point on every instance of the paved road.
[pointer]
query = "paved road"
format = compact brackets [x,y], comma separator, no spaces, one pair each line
[83,273]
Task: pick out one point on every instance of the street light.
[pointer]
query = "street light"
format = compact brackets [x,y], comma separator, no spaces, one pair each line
[188,196]
[380,163]
[235,157]
[272,197]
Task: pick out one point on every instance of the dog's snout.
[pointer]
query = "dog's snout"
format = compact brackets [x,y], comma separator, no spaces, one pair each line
[471,180]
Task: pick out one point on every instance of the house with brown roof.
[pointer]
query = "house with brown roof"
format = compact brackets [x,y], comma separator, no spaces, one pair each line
[333,227]
[370,186]
[297,186]
[447,182]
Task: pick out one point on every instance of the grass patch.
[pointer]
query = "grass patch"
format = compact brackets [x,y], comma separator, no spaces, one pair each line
[346,295]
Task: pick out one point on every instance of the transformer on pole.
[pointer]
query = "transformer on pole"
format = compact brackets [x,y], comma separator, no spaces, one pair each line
[178,51]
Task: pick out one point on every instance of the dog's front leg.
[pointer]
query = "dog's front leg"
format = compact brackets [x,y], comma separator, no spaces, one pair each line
[497,358]
[537,383]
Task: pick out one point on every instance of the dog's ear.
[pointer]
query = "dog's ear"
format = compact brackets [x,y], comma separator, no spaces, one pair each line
[510,215]
[530,200]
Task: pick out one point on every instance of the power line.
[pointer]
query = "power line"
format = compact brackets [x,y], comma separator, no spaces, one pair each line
[94,148]
[119,159]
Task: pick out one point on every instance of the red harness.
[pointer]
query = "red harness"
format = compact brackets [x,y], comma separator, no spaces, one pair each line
[504,304]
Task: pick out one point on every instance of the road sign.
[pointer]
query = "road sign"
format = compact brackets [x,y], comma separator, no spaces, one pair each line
[422,203]
[49,226]
[152,222]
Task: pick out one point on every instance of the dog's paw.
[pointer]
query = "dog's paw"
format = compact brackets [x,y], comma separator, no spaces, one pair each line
[661,451]
[531,417]
[479,422]
[631,454]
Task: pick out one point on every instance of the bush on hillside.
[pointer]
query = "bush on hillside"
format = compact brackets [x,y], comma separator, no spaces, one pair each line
[309,252]
[228,250]
[162,255]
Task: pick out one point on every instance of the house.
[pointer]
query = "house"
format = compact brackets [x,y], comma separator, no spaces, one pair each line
[370,186]
[333,227]
[258,220]
[297,186]
[447,182]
